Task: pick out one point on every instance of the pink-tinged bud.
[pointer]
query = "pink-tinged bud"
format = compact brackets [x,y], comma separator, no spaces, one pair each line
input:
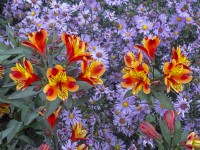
[150,131]
[169,118]
[44,147]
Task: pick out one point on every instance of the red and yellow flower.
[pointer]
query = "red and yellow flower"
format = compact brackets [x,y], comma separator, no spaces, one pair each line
[193,141]
[53,117]
[75,48]
[59,84]
[92,73]
[149,46]
[23,76]
[78,133]
[135,74]
[180,57]
[1,71]
[4,109]
[37,41]
[176,74]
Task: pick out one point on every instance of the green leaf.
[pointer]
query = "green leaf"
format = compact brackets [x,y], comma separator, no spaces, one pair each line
[15,51]
[69,103]
[184,136]
[156,73]
[31,117]
[177,133]
[148,97]
[4,57]
[22,94]
[9,84]
[128,94]
[150,118]
[26,139]
[51,106]
[5,133]
[17,103]
[164,100]
[165,131]
[83,85]
[17,126]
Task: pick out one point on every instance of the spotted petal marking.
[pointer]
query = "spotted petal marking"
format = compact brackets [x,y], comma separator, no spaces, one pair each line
[138,75]
[177,70]
[60,77]
[63,93]
[22,70]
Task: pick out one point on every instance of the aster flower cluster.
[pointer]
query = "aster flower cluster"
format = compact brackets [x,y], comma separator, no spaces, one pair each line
[55,53]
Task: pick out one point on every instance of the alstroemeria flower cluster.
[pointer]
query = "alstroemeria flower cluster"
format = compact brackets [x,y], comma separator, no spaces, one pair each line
[177,72]
[23,76]
[59,84]
[135,74]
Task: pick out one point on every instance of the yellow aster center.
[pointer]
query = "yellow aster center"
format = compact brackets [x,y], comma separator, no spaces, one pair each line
[144,27]
[188,19]
[94,47]
[112,57]
[117,147]
[142,9]
[71,116]
[178,19]
[117,112]
[55,14]
[176,32]
[32,13]
[122,120]
[128,34]
[125,104]
[161,106]
[139,107]
[120,26]
[39,24]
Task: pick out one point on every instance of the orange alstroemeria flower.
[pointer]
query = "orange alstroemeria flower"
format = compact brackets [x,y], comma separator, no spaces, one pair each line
[176,75]
[135,74]
[93,72]
[78,133]
[82,147]
[193,142]
[1,71]
[129,60]
[4,109]
[59,84]
[180,57]
[75,48]
[149,46]
[53,117]
[37,41]
[23,76]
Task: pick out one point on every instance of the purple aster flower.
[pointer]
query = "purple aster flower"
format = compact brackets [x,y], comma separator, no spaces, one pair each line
[126,105]
[128,33]
[162,30]
[120,145]
[128,130]
[69,145]
[122,120]
[159,108]
[145,27]
[144,141]
[100,54]
[71,117]
[182,8]
[182,106]
[177,19]
[141,8]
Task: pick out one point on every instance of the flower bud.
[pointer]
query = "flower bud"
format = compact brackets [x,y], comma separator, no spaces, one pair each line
[44,147]
[169,118]
[150,131]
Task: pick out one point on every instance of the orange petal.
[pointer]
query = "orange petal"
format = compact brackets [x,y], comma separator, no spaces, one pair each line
[128,81]
[142,48]
[51,92]
[71,84]
[183,78]
[146,88]
[129,58]
[28,66]
[97,68]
